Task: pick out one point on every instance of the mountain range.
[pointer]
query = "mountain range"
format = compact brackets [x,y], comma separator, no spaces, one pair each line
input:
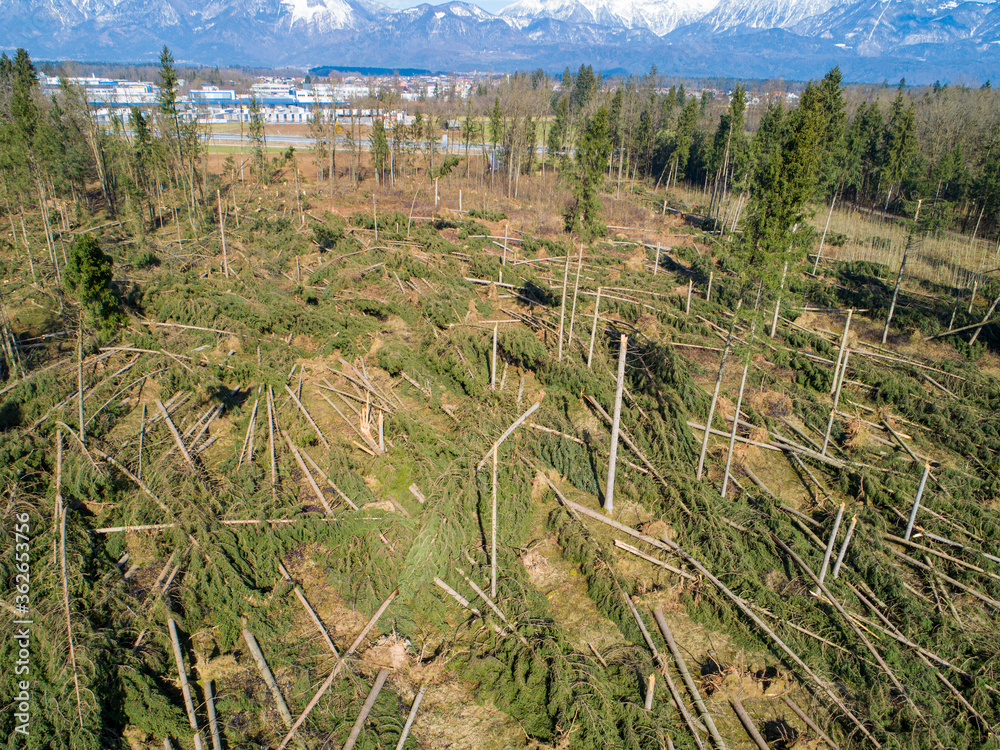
[872,40]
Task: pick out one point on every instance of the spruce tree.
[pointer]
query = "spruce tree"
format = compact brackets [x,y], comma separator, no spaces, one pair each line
[783,182]
[683,138]
[592,153]
[168,91]
[258,140]
[89,276]
[380,150]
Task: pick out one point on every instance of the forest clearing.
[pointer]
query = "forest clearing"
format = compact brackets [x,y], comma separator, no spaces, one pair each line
[342,459]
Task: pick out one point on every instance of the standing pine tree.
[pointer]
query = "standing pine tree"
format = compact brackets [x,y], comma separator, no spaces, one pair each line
[585,87]
[258,141]
[559,130]
[89,276]
[833,158]
[784,179]
[380,150]
[592,153]
[496,133]
[169,83]
[900,145]
[683,138]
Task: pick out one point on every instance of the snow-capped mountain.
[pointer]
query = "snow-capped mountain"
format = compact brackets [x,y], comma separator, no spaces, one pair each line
[872,40]
[764,14]
[659,16]
[874,26]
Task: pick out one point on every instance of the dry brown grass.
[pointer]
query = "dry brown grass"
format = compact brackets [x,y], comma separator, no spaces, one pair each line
[858,434]
[770,403]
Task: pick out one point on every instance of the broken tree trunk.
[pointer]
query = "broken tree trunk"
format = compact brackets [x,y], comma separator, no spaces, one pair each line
[308,608]
[732,436]
[692,688]
[79,380]
[493,532]
[326,478]
[508,431]
[777,302]
[811,724]
[593,330]
[986,318]
[248,440]
[366,709]
[843,547]
[895,292]
[916,502]
[308,475]
[173,431]
[562,308]
[847,618]
[142,439]
[649,558]
[822,239]
[740,603]
[609,492]
[715,395]
[267,676]
[185,687]
[627,439]
[492,605]
[222,234]
[493,361]
[830,543]
[836,401]
[576,290]
[748,724]
[213,721]
[270,440]
[336,670]
[840,353]
[312,422]
[65,578]
[410,718]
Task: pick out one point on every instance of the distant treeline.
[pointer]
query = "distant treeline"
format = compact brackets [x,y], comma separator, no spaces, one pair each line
[929,153]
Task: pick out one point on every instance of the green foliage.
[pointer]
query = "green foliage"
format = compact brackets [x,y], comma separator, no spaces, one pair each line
[592,152]
[394,357]
[144,259]
[328,235]
[487,214]
[450,162]
[258,140]
[379,149]
[89,276]
[782,183]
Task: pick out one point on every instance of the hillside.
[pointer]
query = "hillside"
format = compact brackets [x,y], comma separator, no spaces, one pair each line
[269,495]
